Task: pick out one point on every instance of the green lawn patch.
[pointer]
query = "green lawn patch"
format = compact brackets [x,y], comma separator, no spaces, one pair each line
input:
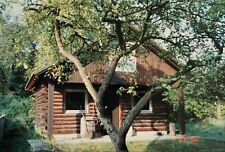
[136,146]
[203,145]
[214,129]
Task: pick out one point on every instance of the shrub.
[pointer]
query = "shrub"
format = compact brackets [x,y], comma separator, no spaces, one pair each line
[18,111]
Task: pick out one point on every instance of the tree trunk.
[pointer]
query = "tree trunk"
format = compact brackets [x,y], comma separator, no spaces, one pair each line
[218,111]
[120,145]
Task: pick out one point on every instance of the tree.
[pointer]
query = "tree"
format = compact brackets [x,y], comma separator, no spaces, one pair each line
[192,31]
[15,60]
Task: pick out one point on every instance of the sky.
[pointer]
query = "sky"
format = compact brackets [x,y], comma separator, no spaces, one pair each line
[13,12]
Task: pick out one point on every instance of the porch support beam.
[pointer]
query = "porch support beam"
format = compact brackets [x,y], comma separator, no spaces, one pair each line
[50,109]
[181,111]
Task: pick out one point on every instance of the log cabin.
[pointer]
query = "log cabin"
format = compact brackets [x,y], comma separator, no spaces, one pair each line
[60,107]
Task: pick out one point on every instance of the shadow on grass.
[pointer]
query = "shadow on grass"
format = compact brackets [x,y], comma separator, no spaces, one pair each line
[203,145]
[14,145]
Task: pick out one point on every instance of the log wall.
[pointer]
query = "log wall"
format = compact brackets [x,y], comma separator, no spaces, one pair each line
[64,123]
[155,121]
[40,109]
[69,123]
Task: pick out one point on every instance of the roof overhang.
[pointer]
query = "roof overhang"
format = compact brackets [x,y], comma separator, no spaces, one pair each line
[34,77]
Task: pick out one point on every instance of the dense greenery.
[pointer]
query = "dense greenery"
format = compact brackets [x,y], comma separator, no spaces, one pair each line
[15,60]
[18,111]
[204,91]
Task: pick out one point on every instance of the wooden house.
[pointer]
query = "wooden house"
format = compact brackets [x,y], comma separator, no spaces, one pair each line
[60,106]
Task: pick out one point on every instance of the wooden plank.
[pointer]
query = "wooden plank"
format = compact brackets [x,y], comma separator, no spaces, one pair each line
[50,109]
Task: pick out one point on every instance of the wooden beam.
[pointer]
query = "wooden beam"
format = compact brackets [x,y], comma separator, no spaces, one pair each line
[50,109]
[181,112]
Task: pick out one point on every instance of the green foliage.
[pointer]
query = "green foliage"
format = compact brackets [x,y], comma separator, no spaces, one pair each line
[19,115]
[195,108]
[90,30]
[16,56]
[199,109]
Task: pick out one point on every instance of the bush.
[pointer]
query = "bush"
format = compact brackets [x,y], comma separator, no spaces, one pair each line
[195,108]
[200,109]
[18,111]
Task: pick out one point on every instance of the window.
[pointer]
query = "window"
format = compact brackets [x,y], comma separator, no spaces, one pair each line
[147,108]
[75,101]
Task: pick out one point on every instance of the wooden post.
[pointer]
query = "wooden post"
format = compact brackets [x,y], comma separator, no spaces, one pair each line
[50,109]
[181,112]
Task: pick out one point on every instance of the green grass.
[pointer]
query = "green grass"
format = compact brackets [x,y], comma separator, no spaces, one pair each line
[213,129]
[203,145]
[101,147]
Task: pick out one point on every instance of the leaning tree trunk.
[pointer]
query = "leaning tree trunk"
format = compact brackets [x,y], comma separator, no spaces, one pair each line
[121,145]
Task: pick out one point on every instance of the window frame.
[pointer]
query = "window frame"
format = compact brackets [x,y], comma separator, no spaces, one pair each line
[85,101]
[150,105]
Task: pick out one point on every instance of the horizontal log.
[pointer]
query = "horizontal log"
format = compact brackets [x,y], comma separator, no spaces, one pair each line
[66,122]
[149,125]
[68,131]
[151,121]
[67,115]
[151,118]
[58,111]
[67,119]
[58,108]
[151,128]
[58,96]
[57,93]
[58,103]
[66,127]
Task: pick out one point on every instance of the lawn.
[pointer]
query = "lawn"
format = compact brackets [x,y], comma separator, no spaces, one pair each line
[202,145]
[212,129]
[211,133]
[212,139]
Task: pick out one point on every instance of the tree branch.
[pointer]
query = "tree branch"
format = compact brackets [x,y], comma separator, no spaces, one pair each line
[75,60]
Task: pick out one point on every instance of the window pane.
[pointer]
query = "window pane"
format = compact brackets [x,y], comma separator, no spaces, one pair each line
[75,101]
[137,98]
